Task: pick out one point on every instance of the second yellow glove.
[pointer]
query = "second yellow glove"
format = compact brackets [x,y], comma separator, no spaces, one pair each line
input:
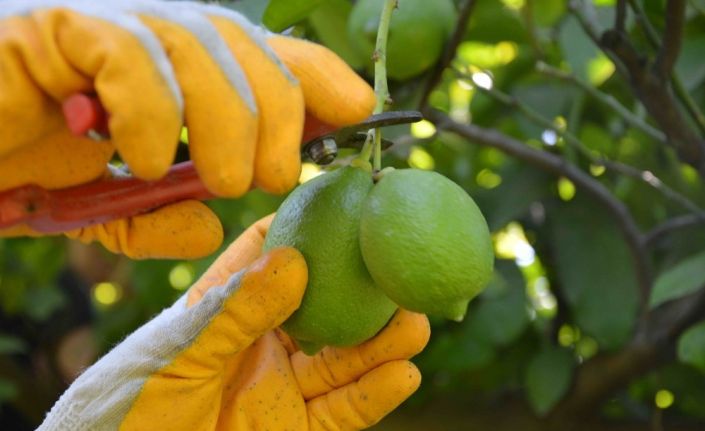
[215,360]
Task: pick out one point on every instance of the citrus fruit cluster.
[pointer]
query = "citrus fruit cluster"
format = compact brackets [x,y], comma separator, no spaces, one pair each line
[417,33]
[415,239]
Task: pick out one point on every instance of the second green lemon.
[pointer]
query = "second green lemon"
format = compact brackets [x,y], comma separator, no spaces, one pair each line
[425,242]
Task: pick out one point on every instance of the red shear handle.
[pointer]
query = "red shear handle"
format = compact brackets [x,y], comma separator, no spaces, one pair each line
[105,200]
[84,114]
[22,203]
[97,202]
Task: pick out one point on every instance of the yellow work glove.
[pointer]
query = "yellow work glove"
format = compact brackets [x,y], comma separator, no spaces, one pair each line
[215,360]
[156,65]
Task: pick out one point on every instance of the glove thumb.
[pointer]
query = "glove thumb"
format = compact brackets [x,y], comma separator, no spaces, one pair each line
[253,301]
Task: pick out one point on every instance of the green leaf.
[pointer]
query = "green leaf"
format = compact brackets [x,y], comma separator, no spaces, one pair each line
[10,344]
[683,279]
[282,14]
[691,346]
[595,271]
[500,314]
[327,21]
[548,377]
[521,186]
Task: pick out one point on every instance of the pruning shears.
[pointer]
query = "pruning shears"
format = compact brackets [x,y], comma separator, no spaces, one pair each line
[54,211]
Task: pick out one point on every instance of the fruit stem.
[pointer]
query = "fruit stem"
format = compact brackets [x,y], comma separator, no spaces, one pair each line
[380,55]
[381,89]
[380,59]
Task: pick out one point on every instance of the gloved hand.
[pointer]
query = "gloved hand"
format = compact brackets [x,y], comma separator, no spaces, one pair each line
[213,361]
[156,65]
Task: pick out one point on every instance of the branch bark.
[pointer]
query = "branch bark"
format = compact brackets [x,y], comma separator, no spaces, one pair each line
[648,84]
[646,177]
[655,41]
[620,16]
[653,345]
[606,99]
[449,53]
[672,38]
[672,225]
[657,99]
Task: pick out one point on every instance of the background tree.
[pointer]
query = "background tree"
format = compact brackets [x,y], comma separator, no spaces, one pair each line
[577,126]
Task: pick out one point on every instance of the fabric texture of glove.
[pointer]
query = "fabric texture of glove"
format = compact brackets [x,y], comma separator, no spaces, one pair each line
[215,360]
[156,65]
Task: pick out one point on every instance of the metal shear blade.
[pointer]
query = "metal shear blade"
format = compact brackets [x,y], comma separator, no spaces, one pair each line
[323,149]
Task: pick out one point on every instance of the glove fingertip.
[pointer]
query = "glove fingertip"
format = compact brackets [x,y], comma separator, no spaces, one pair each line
[333,92]
[362,404]
[385,388]
[412,327]
[273,287]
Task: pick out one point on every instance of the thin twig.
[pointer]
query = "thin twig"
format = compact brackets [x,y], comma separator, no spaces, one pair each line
[559,166]
[672,38]
[450,51]
[652,180]
[652,346]
[695,5]
[646,177]
[658,100]
[606,99]
[651,34]
[585,13]
[648,86]
[527,13]
[677,223]
[655,41]
[620,16]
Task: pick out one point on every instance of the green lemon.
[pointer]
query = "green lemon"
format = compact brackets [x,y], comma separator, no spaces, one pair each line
[341,306]
[425,242]
[417,33]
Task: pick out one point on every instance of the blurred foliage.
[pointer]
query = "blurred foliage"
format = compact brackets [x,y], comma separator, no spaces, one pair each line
[565,288]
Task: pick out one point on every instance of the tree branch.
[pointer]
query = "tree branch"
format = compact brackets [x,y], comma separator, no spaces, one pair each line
[695,5]
[620,16]
[646,177]
[653,345]
[584,12]
[672,38]
[647,85]
[658,100]
[559,166]
[527,12]
[604,98]
[601,376]
[672,225]
[450,51]
[653,37]
[651,34]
